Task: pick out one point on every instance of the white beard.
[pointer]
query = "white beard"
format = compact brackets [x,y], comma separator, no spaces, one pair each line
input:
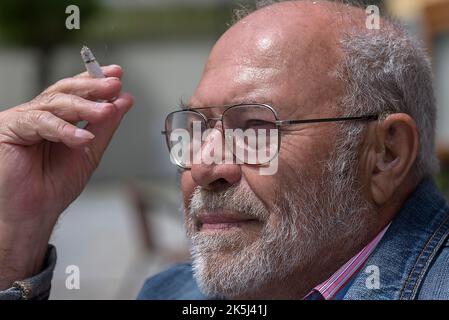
[301,223]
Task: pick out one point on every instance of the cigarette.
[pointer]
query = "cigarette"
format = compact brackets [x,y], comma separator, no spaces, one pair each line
[92,66]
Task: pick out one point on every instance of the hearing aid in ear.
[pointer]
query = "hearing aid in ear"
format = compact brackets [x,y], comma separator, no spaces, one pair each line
[382,165]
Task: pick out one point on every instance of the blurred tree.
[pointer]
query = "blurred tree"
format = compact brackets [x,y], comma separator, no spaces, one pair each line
[41,25]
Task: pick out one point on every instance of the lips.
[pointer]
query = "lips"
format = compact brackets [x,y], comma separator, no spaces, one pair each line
[221,220]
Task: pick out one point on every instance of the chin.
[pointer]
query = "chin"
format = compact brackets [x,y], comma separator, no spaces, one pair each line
[237,268]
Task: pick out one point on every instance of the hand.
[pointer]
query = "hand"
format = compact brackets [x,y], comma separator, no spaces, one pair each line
[46,161]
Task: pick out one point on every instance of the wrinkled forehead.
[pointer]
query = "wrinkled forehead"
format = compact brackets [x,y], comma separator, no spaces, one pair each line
[287,61]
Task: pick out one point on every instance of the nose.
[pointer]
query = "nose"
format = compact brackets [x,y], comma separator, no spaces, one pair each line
[215,175]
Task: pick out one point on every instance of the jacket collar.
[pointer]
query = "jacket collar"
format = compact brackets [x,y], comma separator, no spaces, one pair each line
[405,252]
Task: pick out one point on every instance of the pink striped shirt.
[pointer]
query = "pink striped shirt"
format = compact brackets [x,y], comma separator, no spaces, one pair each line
[329,288]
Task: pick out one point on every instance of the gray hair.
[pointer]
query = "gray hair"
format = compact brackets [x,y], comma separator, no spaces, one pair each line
[384,71]
[388,71]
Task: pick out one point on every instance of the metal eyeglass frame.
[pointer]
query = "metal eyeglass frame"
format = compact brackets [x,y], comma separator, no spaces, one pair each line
[279,123]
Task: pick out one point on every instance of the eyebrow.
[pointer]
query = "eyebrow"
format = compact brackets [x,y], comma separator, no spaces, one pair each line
[186,106]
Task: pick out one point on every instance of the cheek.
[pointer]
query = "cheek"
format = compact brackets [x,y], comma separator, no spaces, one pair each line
[305,153]
[264,186]
[298,158]
[187,187]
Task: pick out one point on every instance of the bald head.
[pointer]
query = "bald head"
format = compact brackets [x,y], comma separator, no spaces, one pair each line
[292,45]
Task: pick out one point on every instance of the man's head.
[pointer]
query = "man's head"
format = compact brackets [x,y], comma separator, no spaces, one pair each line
[338,184]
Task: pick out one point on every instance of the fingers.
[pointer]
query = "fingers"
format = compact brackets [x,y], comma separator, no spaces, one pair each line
[74,99]
[70,107]
[30,127]
[104,130]
[87,88]
[48,116]
[109,71]
[124,102]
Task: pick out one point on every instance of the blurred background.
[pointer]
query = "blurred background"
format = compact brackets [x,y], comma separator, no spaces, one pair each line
[127,224]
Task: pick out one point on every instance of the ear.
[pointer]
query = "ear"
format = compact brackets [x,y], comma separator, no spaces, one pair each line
[393,154]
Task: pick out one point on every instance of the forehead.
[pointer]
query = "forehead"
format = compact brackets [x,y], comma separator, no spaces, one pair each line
[280,65]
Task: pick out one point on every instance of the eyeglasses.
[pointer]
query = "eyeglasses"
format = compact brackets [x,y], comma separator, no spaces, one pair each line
[252,132]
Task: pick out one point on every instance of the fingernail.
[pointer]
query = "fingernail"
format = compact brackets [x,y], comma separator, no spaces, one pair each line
[84,134]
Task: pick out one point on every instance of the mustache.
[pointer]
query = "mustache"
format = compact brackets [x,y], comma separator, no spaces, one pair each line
[236,198]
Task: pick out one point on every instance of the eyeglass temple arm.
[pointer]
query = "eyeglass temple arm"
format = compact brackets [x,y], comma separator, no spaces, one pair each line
[291,122]
[360,118]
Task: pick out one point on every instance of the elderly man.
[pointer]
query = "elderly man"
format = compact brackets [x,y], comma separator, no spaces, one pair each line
[350,212]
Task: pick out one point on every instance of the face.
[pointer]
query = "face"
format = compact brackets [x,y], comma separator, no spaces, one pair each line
[253,233]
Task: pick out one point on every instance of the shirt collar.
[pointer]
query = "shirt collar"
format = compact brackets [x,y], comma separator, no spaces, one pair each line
[329,289]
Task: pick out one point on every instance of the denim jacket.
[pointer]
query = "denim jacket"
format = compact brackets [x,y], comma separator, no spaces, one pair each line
[412,260]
